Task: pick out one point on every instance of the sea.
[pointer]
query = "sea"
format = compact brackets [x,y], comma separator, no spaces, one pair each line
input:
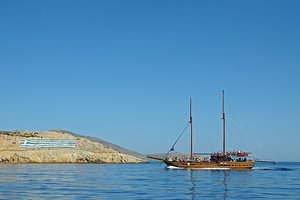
[147,181]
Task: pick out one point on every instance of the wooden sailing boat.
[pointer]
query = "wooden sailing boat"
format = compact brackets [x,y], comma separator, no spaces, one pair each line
[224,160]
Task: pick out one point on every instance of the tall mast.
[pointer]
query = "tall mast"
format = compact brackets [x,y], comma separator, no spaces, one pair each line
[191,122]
[224,124]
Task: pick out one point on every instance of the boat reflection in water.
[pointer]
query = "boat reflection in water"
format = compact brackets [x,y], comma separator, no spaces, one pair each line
[198,190]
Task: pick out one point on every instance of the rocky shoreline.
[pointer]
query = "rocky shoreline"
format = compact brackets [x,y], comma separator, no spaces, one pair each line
[58,146]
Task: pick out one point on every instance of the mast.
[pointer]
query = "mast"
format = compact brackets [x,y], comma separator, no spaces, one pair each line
[191,122]
[224,124]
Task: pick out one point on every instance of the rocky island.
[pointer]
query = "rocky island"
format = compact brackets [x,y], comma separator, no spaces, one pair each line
[59,146]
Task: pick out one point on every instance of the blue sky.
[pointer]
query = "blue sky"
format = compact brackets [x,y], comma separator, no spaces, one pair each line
[124,71]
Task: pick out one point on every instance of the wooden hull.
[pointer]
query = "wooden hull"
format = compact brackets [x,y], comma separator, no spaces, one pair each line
[245,165]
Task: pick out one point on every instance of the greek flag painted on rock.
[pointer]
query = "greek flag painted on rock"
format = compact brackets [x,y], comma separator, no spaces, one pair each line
[48,144]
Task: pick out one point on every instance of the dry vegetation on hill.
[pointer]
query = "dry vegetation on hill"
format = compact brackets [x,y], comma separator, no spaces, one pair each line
[87,149]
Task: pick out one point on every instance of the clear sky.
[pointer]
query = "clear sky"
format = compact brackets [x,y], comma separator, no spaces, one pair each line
[124,71]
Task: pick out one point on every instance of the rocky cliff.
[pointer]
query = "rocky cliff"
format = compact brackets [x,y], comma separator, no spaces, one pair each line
[58,146]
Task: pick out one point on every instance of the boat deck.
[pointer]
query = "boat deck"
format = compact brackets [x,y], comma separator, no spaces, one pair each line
[243,165]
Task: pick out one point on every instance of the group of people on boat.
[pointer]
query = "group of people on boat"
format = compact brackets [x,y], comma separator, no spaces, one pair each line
[239,153]
[214,157]
[227,157]
[220,157]
[185,159]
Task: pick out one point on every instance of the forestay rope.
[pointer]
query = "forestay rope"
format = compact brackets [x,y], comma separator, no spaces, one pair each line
[172,148]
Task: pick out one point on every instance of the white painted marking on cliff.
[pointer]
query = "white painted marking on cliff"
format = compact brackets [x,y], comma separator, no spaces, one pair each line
[48,144]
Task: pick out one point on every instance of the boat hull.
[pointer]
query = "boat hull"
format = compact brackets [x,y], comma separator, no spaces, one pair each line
[245,165]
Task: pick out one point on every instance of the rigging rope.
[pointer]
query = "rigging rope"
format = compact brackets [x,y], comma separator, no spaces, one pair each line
[172,148]
[245,132]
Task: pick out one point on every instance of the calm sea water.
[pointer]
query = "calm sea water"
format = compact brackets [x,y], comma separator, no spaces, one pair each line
[146,181]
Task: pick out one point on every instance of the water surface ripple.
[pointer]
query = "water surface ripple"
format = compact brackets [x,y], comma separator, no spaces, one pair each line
[146,181]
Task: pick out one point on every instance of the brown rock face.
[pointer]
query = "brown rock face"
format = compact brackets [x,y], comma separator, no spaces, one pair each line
[33,151]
